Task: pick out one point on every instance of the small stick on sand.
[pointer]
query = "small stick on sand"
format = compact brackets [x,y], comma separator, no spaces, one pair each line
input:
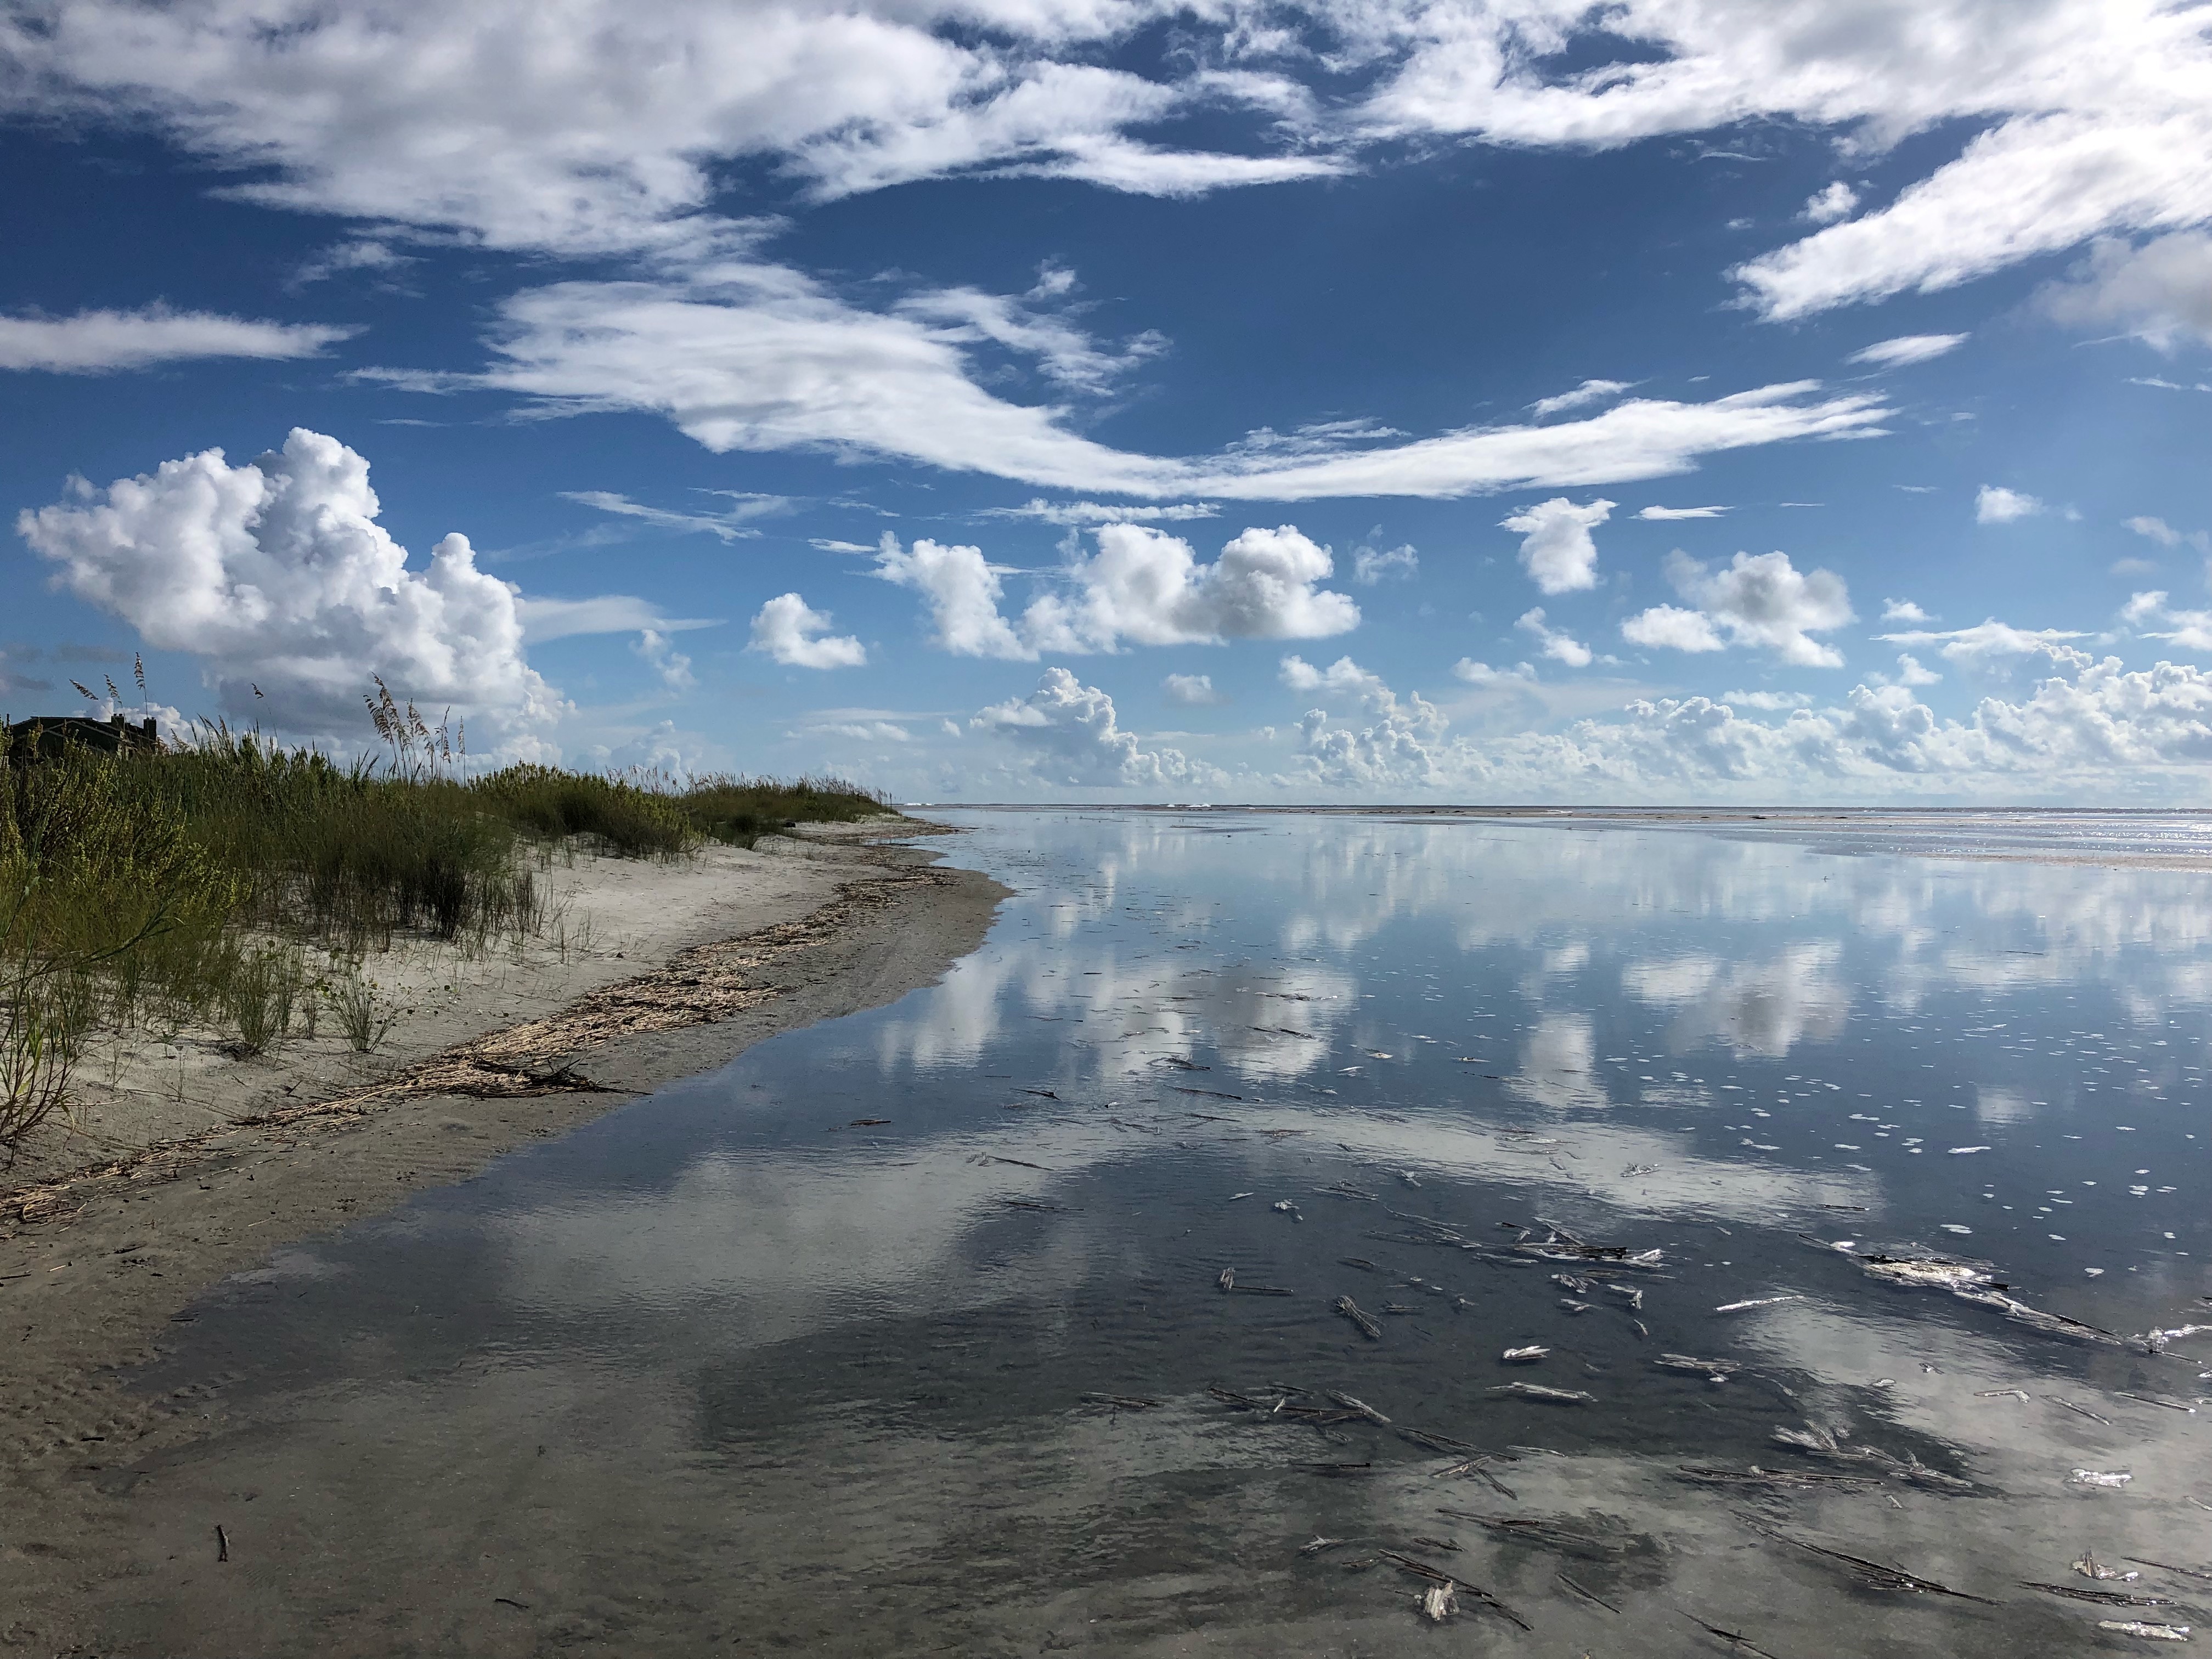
[1588,1594]
[1351,1310]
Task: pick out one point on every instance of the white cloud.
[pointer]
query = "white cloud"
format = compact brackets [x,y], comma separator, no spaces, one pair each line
[545,619]
[1342,678]
[1065,732]
[866,731]
[1063,353]
[961,590]
[730,525]
[794,634]
[1092,513]
[831,544]
[1147,587]
[1763,601]
[2158,531]
[606,125]
[1556,548]
[1991,645]
[757,357]
[1910,671]
[1903,610]
[1670,627]
[1557,645]
[2087,117]
[1768,701]
[1590,392]
[1669,514]
[1993,504]
[673,667]
[2132,567]
[2090,115]
[355,254]
[1195,690]
[1372,565]
[100,342]
[2190,629]
[2087,727]
[1393,750]
[1481,673]
[2161,292]
[277,575]
[1907,348]
[1825,207]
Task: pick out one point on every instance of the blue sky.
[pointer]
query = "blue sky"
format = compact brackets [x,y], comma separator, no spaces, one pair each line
[1435,399]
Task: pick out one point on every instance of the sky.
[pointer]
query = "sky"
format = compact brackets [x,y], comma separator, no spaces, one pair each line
[1663,401]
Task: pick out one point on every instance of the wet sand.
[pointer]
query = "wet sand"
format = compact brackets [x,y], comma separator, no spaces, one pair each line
[97,1259]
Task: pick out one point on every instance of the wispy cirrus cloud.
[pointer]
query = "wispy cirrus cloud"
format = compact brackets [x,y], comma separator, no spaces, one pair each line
[109,341]
[732,524]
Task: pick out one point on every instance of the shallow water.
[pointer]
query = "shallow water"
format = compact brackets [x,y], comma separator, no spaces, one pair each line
[736,1365]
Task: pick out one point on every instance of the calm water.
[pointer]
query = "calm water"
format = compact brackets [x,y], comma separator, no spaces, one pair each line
[737,1367]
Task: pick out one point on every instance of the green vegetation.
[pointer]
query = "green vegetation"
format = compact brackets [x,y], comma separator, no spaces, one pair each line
[740,811]
[183,887]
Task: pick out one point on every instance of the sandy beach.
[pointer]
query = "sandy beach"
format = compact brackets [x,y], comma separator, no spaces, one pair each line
[183,1166]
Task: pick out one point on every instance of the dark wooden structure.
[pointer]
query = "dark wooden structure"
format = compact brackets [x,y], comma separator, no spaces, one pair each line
[46,737]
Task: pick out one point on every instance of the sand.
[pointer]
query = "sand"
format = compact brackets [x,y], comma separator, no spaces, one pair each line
[687,964]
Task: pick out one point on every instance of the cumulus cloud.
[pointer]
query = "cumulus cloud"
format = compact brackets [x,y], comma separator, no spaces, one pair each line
[1372,565]
[1669,514]
[276,574]
[102,342]
[2160,292]
[1825,207]
[1590,392]
[1388,744]
[1065,732]
[1994,504]
[1671,628]
[1195,690]
[792,632]
[671,665]
[962,591]
[2085,726]
[1142,587]
[1558,646]
[1906,348]
[1910,671]
[1556,547]
[1147,587]
[1762,601]
[1903,610]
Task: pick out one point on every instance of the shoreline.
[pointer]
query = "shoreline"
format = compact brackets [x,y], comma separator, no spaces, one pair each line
[95,1263]
[2112,835]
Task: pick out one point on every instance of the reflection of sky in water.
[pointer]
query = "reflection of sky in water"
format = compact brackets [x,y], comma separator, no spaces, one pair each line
[1717,1047]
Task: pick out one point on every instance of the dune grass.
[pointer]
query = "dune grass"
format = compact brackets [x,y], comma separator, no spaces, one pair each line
[185,887]
[739,811]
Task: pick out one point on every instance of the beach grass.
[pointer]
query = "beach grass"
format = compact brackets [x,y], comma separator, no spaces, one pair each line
[236,884]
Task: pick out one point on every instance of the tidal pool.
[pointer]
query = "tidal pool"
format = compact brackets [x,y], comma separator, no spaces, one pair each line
[909,1332]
